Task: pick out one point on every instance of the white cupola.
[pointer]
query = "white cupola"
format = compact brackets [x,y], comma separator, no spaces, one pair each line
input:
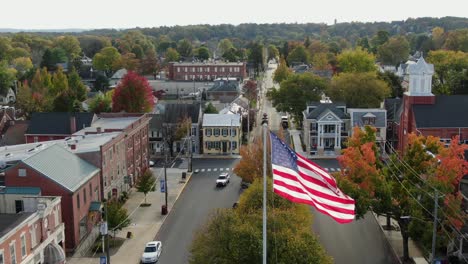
[420,78]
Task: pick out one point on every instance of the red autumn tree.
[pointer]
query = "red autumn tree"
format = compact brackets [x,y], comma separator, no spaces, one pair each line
[133,95]
[250,89]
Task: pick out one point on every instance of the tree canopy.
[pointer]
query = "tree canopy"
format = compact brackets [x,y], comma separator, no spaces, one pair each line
[359,90]
[357,60]
[133,95]
[295,92]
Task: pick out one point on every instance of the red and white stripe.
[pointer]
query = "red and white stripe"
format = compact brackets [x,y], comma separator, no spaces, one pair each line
[314,186]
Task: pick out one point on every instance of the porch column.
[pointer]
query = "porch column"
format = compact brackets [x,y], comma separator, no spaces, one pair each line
[319,131]
[338,144]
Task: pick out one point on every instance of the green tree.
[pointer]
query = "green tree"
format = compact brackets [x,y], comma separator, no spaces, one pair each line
[24,99]
[106,58]
[203,53]
[235,236]
[230,55]
[70,45]
[298,55]
[379,39]
[224,46]
[394,51]
[22,65]
[117,216]
[359,90]
[64,102]
[364,44]
[210,109]
[171,55]
[59,82]
[101,103]
[7,77]
[282,72]
[438,37]
[393,81]
[451,74]
[91,45]
[273,52]
[295,92]
[356,60]
[185,48]
[101,83]
[76,86]
[5,47]
[457,40]
[146,182]
[256,56]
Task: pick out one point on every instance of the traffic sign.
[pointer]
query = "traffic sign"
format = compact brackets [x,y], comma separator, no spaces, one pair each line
[103,260]
[103,228]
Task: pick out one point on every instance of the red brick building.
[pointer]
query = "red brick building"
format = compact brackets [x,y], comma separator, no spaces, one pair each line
[120,148]
[32,233]
[424,113]
[206,71]
[58,172]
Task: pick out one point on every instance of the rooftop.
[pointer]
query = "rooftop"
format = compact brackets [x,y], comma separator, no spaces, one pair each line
[225,120]
[9,221]
[62,167]
[57,123]
[20,190]
[111,123]
[448,111]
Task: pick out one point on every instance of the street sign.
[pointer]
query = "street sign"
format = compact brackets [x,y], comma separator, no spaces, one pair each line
[103,260]
[163,186]
[103,228]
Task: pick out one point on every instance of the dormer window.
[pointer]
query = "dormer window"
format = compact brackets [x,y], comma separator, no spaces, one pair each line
[368,119]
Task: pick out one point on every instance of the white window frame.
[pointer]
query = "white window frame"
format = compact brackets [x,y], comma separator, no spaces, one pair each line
[13,256]
[22,173]
[23,244]
[32,231]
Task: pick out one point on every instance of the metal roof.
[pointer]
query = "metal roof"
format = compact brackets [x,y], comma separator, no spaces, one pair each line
[221,120]
[62,167]
[21,190]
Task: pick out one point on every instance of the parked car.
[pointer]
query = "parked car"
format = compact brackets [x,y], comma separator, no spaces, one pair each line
[152,252]
[223,179]
[285,122]
[151,163]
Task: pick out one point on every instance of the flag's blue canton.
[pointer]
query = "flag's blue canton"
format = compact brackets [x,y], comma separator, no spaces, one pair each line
[282,154]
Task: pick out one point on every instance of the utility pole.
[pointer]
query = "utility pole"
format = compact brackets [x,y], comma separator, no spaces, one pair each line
[165,172]
[265,130]
[248,123]
[434,231]
[189,149]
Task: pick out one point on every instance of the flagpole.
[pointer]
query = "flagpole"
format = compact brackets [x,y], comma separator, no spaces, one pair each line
[265,130]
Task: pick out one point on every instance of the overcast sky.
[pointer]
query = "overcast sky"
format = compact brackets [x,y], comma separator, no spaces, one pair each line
[86,14]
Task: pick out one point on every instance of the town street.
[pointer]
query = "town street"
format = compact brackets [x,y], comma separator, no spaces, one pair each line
[193,207]
[359,242]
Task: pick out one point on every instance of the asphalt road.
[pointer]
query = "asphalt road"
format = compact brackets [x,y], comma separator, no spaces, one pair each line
[359,242]
[193,207]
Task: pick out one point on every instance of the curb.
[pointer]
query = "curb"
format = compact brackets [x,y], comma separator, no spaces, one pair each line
[189,176]
[386,239]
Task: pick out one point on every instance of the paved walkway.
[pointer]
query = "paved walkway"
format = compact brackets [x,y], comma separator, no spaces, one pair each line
[145,221]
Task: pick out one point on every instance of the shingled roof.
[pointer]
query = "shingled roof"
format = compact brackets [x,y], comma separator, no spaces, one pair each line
[322,107]
[448,111]
[57,123]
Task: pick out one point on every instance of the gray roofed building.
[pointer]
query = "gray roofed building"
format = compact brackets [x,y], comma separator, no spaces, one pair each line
[8,222]
[62,167]
[221,120]
[58,123]
[360,115]
[316,109]
[449,111]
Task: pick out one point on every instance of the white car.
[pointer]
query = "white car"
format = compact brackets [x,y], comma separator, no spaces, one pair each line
[152,252]
[151,163]
[223,179]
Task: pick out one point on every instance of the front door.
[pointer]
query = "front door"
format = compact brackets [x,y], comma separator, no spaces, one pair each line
[224,146]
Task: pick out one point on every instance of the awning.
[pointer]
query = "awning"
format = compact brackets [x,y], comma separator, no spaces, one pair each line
[54,254]
[95,207]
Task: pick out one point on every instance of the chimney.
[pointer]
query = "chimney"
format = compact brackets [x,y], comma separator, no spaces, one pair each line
[72,124]
[98,130]
[73,146]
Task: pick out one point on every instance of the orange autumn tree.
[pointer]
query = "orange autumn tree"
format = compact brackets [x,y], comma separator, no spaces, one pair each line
[414,175]
[250,166]
[361,175]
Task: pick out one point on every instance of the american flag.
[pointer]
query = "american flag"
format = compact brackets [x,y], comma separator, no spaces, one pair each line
[302,181]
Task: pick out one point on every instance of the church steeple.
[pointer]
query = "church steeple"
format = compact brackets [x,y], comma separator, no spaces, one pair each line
[420,78]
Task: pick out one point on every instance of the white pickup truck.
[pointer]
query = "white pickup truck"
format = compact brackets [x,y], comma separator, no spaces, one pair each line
[223,179]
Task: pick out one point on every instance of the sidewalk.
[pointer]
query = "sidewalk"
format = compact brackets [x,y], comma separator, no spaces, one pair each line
[396,241]
[145,221]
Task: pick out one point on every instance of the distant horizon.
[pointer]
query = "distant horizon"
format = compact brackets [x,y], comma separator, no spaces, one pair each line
[83,29]
[119,14]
